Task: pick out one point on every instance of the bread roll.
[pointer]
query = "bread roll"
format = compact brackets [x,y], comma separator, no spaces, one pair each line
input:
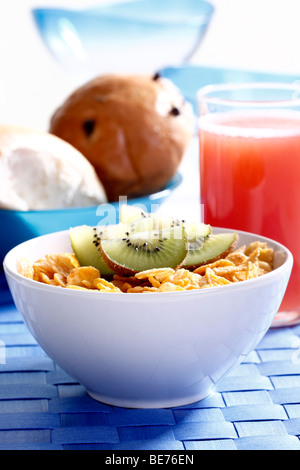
[133,129]
[41,171]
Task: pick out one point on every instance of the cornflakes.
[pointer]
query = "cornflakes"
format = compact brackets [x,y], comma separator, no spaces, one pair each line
[83,276]
[64,270]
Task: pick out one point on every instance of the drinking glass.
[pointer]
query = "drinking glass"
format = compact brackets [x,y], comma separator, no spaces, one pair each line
[249,136]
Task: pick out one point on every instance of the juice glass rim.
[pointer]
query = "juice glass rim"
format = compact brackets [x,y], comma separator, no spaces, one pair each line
[204,94]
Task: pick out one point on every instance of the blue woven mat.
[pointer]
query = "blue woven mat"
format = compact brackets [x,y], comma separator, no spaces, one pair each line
[256,406]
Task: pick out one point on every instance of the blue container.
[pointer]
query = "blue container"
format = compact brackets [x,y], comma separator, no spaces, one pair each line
[19,226]
[112,38]
[189,78]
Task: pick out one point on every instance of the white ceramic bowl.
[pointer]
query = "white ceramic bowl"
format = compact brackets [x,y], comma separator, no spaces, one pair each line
[147,350]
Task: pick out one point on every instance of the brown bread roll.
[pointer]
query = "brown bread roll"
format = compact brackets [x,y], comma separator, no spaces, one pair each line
[133,129]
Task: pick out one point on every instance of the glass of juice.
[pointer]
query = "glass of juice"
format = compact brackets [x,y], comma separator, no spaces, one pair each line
[249,137]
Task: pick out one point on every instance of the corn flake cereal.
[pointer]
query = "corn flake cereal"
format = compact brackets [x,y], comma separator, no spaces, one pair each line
[64,270]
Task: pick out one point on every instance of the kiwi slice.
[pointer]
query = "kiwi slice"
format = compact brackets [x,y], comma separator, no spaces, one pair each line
[144,224]
[162,221]
[141,251]
[196,233]
[214,247]
[196,236]
[85,241]
[131,213]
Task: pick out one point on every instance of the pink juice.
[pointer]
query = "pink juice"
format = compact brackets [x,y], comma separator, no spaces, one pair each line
[250,179]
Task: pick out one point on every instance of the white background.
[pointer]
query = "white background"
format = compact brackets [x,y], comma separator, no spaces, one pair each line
[250,34]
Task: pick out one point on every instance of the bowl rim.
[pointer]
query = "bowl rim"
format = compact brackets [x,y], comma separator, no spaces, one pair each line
[204,11]
[206,94]
[265,279]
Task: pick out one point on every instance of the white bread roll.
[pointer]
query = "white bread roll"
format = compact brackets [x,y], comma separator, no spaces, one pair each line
[40,171]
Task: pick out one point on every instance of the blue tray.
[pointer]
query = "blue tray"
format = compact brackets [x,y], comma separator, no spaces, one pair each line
[19,226]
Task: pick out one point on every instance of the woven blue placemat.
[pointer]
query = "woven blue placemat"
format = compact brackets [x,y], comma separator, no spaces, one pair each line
[256,406]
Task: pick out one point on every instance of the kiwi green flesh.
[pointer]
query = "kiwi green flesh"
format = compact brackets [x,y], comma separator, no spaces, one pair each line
[161,221]
[197,233]
[214,247]
[127,249]
[131,213]
[85,241]
[143,224]
[137,219]
[146,250]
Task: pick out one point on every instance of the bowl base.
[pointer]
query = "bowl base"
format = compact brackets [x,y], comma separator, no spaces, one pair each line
[136,403]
